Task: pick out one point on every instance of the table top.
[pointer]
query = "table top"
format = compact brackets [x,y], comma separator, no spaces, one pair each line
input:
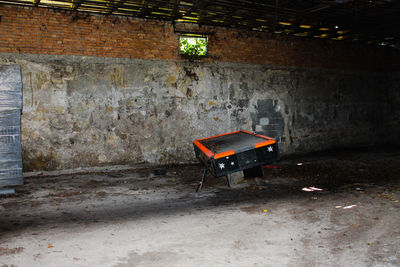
[234,141]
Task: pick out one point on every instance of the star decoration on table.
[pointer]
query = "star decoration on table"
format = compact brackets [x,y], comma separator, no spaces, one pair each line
[221,165]
[270,149]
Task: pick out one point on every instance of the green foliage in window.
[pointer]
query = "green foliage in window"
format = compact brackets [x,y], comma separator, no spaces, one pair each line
[193,46]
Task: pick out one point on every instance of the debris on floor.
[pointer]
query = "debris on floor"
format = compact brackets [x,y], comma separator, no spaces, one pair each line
[136,217]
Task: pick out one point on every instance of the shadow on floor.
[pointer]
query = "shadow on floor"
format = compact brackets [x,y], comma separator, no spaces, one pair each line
[98,198]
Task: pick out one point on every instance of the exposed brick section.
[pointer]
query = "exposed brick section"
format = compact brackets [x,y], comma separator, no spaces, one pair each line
[260,48]
[45,31]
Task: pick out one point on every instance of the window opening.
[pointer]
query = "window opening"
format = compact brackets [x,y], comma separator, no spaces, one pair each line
[193,45]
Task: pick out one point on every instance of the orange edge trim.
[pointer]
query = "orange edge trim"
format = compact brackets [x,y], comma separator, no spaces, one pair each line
[244,131]
[224,154]
[264,143]
[216,136]
[258,135]
[265,137]
[204,149]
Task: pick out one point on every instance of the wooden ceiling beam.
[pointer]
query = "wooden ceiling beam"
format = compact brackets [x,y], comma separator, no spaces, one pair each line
[76,4]
[114,5]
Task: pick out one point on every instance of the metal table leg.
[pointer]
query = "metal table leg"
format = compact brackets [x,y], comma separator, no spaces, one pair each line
[200,186]
[228,181]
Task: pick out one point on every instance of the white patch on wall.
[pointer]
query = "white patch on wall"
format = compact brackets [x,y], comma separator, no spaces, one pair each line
[264,121]
[58,99]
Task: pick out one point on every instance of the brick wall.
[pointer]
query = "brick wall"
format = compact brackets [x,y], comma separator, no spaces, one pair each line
[104,107]
[46,31]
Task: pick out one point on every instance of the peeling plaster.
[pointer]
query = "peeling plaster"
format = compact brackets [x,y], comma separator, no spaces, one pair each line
[82,111]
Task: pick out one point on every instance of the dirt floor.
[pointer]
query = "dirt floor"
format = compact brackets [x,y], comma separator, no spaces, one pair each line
[338,208]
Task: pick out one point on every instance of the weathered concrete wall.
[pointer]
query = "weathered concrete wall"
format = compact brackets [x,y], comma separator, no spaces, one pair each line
[87,111]
[393,120]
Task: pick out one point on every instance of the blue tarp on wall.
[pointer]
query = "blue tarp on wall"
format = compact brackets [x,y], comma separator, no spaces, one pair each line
[10,125]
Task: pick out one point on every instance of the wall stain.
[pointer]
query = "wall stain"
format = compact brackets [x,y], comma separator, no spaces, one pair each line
[131,113]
